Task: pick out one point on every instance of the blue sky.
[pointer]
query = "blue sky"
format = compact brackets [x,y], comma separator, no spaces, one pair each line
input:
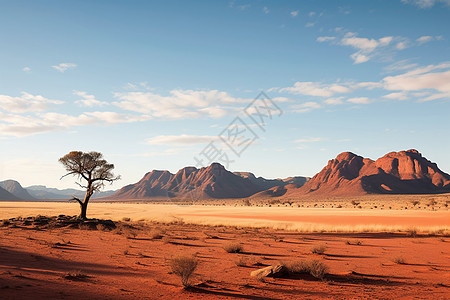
[153,84]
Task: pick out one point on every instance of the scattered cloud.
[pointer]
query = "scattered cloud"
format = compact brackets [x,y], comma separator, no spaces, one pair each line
[426,3]
[88,100]
[359,100]
[316,89]
[335,101]
[62,67]
[325,38]
[26,69]
[180,140]
[294,13]
[266,10]
[424,39]
[397,96]
[305,107]
[310,24]
[25,103]
[312,13]
[400,66]
[365,47]
[180,104]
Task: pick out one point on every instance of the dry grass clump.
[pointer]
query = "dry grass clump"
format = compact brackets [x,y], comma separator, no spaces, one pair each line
[314,267]
[399,260]
[233,247]
[354,242]
[318,249]
[156,234]
[184,266]
[76,275]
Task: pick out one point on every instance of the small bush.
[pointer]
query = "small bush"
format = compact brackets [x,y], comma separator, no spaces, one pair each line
[399,260]
[184,266]
[355,203]
[76,276]
[318,249]
[314,267]
[354,242]
[156,234]
[233,247]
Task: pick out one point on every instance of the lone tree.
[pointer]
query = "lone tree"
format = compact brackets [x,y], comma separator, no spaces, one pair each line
[92,172]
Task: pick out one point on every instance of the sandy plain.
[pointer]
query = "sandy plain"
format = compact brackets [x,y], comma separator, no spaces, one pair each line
[370,253]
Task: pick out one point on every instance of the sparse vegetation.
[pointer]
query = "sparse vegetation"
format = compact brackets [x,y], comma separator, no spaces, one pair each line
[76,276]
[232,247]
[355,203]
[399,260]
[314,267]
[353,242]
[319,249]
[156,234]
[184,266]
[415,202]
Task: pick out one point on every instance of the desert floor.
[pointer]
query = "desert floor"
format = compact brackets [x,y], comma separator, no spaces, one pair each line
[412,261]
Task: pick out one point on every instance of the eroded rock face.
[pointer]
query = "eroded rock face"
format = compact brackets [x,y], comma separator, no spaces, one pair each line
[404,172]
[213,181]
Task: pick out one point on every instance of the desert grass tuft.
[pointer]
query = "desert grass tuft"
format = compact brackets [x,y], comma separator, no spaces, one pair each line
[76,275]
[318,249]
[233,247]
[184,266]
[314,267]
[399,260]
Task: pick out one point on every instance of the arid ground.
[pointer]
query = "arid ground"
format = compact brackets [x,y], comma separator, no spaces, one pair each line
[370,253]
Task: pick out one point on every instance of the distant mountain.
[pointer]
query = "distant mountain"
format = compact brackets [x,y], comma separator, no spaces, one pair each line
[16,189]
[404,172]
[210,182]
[42,192]
[7,196]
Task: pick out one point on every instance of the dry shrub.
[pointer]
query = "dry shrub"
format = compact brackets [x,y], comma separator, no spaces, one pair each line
[318,249]
[156,234]
[76,276]
[166,239]
[184,266]
[242,262]
[314,267]
[353,242]
[399,260]
[232,247]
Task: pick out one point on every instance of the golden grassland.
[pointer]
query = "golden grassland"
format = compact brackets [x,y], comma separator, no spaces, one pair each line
[341,215]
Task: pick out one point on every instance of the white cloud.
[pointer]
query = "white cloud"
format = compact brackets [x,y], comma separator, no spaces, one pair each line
[397,96]
[294,13]
[424,39]
[365,46]
[421,79]
[311,13]
[316,89]
[335,101]
[309,140]
[306,107]
[26,69]
[180,104]
[62,67]
[266,10]
[400,66]
[88,100]
[25,103]
[359,100]
[426,3]
[325,38]
[183,139]
[310,24]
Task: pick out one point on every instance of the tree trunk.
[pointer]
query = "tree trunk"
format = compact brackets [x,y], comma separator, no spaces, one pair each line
[83,207]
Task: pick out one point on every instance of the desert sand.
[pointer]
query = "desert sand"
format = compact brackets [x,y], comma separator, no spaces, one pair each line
[370,254]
